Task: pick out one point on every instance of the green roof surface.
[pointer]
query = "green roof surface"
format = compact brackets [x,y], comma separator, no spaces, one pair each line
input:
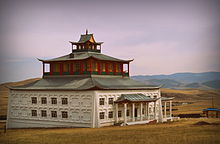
[85,83]
[85,55]
[134,98]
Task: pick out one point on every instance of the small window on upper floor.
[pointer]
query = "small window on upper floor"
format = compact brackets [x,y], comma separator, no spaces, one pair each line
[64,101]
[110,101]
[43,100]
[34,100]
[53,100]
[101,101]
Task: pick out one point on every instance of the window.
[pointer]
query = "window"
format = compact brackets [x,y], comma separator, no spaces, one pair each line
[64,114]
[64,101]
[143,111]
[128,113]
[102,67]
[110,101]
[101,115]
[110,67]
[110,114]
[77,67]
[43,113]
[66,67]
[53,113]
[54,100]
[101,101]
[43,100]
[119,113]
[34,100]
[34,113]
[118,68]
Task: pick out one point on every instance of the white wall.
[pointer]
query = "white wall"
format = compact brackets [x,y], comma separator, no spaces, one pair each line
[80,109]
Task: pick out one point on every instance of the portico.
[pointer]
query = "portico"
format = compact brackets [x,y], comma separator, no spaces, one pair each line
[136,108]
[167,113]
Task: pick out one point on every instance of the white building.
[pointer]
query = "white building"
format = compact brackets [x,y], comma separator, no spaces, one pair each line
[85,89]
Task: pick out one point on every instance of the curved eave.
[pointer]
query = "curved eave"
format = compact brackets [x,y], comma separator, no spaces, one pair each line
[83,59]
[85,42]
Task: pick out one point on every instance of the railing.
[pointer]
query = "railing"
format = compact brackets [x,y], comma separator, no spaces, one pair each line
[86,73]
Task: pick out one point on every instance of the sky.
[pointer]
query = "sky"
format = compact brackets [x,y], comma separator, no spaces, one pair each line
[162,36]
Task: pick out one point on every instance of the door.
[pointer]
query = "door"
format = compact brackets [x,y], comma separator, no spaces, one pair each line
[135,112]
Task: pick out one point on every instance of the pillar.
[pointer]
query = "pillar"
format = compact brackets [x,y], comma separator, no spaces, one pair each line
[146,111]
[125,113]
[61,68]
[133,111]
[165,109]
[116,112]
[128,70]
[106,68]
[51,69]
[99,68]
[122,70]
[141,111]
[170,108]
[155,109]
[43,67]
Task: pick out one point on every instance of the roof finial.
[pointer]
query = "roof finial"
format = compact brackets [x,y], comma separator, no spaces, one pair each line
[86,31]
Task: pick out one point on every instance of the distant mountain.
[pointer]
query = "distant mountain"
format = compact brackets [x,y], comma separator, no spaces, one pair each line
[206,80]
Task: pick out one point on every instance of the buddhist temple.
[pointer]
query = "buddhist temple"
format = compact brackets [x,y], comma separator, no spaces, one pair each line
[85,88]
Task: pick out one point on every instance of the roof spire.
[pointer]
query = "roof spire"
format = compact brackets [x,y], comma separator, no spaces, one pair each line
[86,31]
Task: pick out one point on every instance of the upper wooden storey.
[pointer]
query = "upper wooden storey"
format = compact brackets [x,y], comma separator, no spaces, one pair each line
[86,43]
[86,59]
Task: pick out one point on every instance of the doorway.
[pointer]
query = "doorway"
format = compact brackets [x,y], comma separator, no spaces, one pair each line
[135,112]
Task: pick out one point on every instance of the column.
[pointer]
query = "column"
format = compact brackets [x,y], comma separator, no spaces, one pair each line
[61,68]
[155,109]
[125,113]
[43,67]
[128,69]
[146,111]
[133,111]
[51,69]
[170,108]
[141,111]
[116,112]
[122,70]
[165,109]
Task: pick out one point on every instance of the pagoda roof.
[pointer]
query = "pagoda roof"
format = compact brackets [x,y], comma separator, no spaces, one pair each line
[85,83]
[85,55]
[86,37]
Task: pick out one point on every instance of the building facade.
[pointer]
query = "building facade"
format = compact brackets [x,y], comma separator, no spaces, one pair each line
[85,89]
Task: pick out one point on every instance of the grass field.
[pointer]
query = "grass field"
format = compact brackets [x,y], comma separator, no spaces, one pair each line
[181,132]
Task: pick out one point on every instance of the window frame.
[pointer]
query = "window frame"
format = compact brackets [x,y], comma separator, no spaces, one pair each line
[64,114]
[34,100]
[43,100]
[64,101]
[34,113]
[54,114]
[101,115]
[110,114]
[112,101]
[43,113]
[101,101]
[53,100]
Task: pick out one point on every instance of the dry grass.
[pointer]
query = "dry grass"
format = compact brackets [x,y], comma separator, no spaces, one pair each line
[181,132]
[199,99]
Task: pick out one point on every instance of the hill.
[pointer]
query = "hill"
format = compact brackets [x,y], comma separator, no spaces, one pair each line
[206,80]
